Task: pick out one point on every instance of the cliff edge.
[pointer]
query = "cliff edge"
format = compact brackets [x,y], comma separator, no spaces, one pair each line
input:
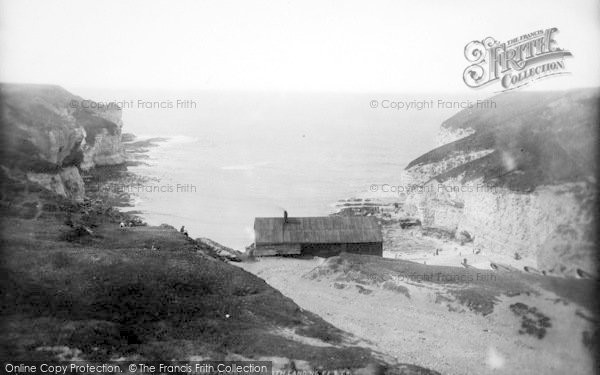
[50,135]
[519,179]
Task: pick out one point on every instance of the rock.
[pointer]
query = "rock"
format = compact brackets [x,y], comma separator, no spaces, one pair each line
[407,223]
[464,237]
[533,322]
[50,134]
[105,150]
[221,251]
[66,183]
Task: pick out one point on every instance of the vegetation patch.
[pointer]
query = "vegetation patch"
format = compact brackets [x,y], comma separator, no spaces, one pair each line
[395,287]
[533,322]
[363,290]
[478,300]
[590,340]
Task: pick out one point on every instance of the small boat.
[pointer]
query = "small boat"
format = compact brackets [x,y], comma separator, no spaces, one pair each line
[583,275]
[532,270]
[502,267]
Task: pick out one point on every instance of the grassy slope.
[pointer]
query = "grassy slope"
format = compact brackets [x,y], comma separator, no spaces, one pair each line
[110,295]
[114,296]
[114,293]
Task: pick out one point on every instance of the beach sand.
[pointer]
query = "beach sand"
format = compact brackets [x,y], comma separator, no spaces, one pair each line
[411,244]
[421,329]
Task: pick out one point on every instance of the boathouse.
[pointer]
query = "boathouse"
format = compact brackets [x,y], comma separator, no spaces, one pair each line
[320,236]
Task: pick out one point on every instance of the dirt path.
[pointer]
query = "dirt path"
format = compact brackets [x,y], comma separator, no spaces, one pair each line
[417,330]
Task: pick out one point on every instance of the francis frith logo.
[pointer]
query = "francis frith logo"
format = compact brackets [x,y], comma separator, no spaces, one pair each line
[514,63]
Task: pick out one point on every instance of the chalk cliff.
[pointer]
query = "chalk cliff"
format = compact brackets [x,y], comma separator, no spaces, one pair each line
[50,135]
[519,178]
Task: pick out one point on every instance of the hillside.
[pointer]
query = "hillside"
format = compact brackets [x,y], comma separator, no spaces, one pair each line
[534,139]
[519,178]
[109,295]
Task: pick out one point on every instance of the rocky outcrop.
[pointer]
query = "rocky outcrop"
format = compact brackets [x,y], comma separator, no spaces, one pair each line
[106,149]
[519,179]
[103,140]
[67,183]
[222,252]
[51,134]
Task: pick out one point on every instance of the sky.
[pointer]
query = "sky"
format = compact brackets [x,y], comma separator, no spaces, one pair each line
[323,45]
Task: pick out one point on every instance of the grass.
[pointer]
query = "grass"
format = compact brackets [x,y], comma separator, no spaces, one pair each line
[112,296]
[109,294]
[390,285]
[142,296]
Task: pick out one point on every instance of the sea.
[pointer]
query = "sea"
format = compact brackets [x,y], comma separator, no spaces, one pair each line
[231,156]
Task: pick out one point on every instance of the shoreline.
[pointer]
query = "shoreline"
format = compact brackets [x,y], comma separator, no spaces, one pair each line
[113,183]
[415,243]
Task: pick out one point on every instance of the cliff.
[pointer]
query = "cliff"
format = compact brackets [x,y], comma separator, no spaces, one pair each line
[518,178]
[50,135]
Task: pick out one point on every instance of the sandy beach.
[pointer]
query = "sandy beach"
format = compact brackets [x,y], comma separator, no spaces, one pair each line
[454,342]
[411,244]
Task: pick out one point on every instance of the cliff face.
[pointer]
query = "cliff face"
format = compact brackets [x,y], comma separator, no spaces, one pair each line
[519,179]
[67,183]
[103,138]
[49,135]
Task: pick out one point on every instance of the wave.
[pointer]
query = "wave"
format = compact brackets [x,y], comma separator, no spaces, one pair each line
[245,167]
[172,139]
[178,139]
